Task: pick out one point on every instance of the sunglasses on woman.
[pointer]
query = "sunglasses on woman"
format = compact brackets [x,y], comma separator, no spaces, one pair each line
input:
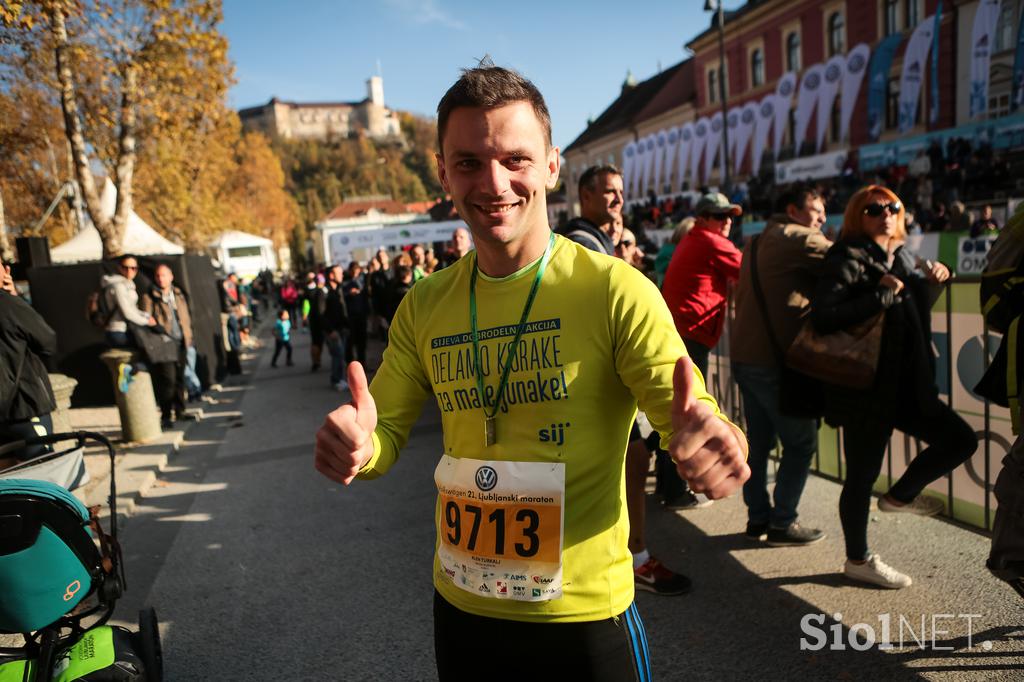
[875,210]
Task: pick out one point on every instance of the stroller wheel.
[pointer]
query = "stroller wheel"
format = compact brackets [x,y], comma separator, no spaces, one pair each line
[149,645]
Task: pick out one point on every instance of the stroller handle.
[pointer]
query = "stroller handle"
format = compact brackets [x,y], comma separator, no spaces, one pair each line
[80,437]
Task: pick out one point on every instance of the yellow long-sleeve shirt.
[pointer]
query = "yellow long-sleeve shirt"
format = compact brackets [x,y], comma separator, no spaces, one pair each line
[600,340]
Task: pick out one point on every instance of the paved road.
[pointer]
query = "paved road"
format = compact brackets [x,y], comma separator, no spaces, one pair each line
[263,570]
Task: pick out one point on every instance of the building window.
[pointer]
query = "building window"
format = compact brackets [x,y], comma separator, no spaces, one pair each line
[912,15]
[1006,27]
[756,68]
[713,85]
[836,42]
[892,104]
[793,52]
[999,105]
[890,16]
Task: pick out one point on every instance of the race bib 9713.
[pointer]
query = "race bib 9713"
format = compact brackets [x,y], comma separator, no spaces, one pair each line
[500,527]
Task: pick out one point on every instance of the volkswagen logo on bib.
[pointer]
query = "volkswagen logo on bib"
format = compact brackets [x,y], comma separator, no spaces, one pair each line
[856,63]
[832,73]
[486,478]
[813,81]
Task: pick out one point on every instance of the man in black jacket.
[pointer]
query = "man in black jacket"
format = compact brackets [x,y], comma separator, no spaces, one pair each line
[600,224]
[26,398]
[335,326]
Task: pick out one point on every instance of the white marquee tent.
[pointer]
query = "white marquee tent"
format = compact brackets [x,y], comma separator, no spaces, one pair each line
[139,238]
[244,254]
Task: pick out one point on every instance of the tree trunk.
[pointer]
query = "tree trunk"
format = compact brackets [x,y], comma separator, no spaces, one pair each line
[6,252]
[111,234]
[126,149]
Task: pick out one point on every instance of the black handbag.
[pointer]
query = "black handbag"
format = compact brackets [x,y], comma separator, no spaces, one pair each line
[800,395]
[156,347]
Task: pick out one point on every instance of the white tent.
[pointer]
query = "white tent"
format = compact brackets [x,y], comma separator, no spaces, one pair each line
[139,238]
[243,253]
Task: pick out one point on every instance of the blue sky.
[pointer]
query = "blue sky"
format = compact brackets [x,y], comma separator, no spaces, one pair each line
[576,52]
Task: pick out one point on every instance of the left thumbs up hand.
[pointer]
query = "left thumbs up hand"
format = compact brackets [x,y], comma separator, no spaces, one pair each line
[710,453]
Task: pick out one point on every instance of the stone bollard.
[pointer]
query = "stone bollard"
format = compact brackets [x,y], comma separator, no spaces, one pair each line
[63,386]
[140,419]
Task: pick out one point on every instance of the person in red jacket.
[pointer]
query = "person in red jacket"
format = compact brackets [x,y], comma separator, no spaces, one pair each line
[698,277]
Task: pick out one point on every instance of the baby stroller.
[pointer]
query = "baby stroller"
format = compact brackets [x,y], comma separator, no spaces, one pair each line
[58,588]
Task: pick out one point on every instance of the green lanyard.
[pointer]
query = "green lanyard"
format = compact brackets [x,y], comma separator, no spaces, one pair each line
[490,435]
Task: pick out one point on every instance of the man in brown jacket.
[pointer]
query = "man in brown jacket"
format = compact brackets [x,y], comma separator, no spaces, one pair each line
[789,254]
[169,307]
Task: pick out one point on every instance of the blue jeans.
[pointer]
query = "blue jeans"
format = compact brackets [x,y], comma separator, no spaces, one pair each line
[336,347]
[759,387]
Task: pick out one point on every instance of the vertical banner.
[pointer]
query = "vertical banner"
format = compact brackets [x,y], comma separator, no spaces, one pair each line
[748,118]
[660,140]
[914,61]
[671,143]
[853,76]
[733,121]
[649,153]
[628,169]
[1017,95]
[981,52]
[686,146]
[878,79]
[834,69]
[762,124]
[638,167]
[700,143]
[783,102]
[712,143]
[933,79]
[810,85]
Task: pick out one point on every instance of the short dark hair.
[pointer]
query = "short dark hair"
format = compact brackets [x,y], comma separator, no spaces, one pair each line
[798,196]
[589,178]
[491,86]
[125,256]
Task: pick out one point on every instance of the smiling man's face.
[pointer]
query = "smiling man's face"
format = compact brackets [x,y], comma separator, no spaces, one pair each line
[497,167]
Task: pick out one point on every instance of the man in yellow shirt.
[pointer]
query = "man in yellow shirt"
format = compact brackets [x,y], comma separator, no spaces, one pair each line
[537,352]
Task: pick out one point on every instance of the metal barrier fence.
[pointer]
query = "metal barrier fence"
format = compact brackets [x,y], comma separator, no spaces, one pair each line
[964,346]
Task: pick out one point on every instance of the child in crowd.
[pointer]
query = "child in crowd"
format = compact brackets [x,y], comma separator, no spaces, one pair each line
[282,338]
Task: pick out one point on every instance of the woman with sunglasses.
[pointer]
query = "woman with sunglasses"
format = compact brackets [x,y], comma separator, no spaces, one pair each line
[868,271]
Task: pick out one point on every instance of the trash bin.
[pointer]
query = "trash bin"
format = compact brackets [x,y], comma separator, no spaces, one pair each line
[140,418]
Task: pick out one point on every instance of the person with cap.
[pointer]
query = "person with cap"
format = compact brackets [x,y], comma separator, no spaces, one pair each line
[698,277]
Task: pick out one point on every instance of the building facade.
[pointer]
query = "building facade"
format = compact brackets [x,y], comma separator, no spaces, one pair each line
[642,110]
[323,120]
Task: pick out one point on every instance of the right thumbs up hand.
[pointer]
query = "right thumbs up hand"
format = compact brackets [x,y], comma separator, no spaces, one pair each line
[344,443]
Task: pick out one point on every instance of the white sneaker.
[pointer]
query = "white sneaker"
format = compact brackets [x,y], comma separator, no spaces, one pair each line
[341,386]
[876,572]
[922,505]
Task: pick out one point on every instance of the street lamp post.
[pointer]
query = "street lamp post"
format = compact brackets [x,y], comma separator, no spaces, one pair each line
[713,6]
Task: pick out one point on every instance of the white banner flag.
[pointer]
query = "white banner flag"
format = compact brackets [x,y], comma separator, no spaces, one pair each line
[853,77]
[733,119]
[637,169]
[834,69]
[660,140]
[783,102]
[628,157]
[748,117]
[914,61]
[982,36]
[686,146]
[700,143]
[807,100]
[762,124]
[671,144]
[649,153]
[712,144]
